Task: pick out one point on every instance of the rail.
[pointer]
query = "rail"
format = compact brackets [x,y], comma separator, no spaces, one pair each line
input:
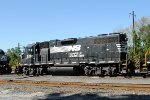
[118,86]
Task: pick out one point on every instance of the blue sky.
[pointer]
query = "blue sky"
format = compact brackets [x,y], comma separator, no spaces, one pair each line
[28,21]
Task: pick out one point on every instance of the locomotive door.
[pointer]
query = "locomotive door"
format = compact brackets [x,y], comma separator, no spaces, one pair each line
[37,53]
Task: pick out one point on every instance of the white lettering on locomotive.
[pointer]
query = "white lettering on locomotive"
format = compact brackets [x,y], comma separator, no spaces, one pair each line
[76,54]
[65,48]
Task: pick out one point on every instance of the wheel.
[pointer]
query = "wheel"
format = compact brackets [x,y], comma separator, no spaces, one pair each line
[19,70]
[115,72]
[9,70]
[26,71]
[88,70]
[42,72]
[144,76]
[93,73]
[110,72]
[1,70]
[34,72]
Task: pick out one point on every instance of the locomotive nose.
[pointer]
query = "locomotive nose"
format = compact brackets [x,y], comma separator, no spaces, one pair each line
[3,58]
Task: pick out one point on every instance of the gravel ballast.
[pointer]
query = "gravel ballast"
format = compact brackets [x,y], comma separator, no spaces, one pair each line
[19,92]
[28,92]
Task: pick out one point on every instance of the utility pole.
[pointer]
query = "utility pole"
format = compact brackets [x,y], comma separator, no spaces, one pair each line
[133,34]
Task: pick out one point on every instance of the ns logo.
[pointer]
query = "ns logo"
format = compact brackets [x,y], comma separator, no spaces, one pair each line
[75,48]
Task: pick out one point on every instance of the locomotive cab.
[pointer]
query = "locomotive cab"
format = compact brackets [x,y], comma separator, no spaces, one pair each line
[28,55]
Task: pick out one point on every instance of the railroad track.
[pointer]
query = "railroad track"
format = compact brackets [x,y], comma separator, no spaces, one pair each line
[119,86]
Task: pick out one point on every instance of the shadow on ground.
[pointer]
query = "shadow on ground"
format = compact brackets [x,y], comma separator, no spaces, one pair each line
[94,96]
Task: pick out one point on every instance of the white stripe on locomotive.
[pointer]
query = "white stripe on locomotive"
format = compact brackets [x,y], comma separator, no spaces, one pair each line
[65,48]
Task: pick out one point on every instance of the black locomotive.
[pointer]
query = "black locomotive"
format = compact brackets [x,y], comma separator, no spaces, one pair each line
[104,54]
[4,67]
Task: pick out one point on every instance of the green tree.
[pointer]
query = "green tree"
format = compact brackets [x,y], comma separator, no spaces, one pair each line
[14,56]
[145,31]
[141,39]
